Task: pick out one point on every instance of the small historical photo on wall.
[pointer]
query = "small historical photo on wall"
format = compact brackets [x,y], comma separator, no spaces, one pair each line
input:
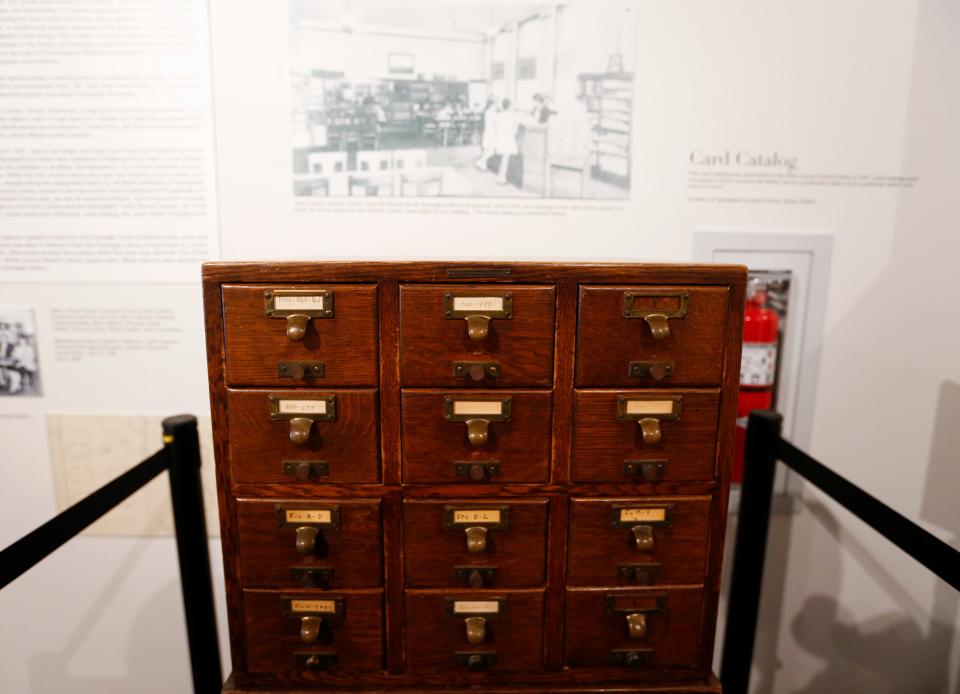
[462,98]
[19,365]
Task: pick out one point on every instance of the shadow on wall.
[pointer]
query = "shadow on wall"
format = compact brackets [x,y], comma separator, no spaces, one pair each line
[154,665]
[892,653]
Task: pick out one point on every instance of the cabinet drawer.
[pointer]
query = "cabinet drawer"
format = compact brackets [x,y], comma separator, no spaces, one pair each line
[641,336]
[337,433]
[476,335]
[323,543]
[271,330]
[474,632]
[644,435]
[475,543]
[633,629]
[447,435]
[638,541]
[310,631]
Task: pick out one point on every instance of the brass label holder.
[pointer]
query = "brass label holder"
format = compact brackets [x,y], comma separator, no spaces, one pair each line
[477,309]
[326,607]
[628,515]
[646,603]
[662,307]
[302,411]
[477,414]
[491,608]
[648,412]
[476,515]
[298,307]
[314,516]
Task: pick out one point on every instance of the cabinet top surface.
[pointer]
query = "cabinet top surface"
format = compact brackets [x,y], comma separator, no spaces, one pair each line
[471,271]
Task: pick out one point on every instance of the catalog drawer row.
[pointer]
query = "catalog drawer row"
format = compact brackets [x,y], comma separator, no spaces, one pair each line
[475,574]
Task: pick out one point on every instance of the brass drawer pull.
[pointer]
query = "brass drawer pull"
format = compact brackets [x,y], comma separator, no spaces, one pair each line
[476,630]
[643,537]
[637,625]
[656,312]
[477,415]
[476,539]
[299,307]
[477,312]
[648,413]
[307,539]
[301,412]
[310,628]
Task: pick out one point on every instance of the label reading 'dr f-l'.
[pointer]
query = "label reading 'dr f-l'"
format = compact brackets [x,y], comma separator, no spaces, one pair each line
[305,303]
[478,515]
[311,515]
[302,407]
[477,303]
[643,514]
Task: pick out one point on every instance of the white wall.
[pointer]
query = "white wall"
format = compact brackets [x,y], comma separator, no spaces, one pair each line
[861,86]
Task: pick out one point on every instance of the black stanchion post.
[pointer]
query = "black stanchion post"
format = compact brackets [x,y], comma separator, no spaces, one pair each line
[760,459]
[180,438]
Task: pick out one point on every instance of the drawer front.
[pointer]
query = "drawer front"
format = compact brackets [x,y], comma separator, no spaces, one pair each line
[472,543]
[310,631]
[322,543]
[300,345]
[457,632]
[633,630]
[639,435]
[476,335]
[505,435]
[638,541]
[672,336]
[339,445]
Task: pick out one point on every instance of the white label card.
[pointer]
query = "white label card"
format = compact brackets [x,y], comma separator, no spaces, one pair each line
[322,606]
[643,514]
[303,515]
[302,407]
[476,607]
[477,303]
[478,515]
[312,302]
[477,407]
[649,406]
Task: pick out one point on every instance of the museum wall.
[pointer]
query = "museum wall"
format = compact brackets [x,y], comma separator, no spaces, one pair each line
[836,119]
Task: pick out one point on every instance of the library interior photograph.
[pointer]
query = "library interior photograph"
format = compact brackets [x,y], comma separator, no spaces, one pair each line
[462,99]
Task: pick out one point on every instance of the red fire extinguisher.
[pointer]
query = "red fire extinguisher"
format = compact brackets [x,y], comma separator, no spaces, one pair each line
[757,365]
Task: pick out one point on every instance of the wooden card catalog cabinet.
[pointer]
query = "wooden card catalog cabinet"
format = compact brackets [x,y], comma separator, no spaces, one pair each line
[460,476]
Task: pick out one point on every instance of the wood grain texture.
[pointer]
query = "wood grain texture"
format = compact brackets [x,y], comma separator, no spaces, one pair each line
[272,637]
[434,635]
[607,341]
[430,343]
[546,467]
[345,343]
[431,444]
[602,442]
[213,319]
[597,548]
[349,444]
[431,550]
[268,549]
[593,631]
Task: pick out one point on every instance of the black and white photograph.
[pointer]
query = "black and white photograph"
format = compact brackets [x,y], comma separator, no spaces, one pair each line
[19,368]
[462,99]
